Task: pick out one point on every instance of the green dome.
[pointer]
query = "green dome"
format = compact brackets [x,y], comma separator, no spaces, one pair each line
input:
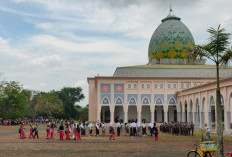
[171,39]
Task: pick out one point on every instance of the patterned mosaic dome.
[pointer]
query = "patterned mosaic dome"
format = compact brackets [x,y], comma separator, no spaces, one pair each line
[171,39]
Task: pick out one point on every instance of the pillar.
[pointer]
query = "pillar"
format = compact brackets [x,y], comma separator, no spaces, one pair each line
[202,120]
[112,114]
[125,113]
[166,115]
[139,116]
[179,116]
[209,123]
[228,121]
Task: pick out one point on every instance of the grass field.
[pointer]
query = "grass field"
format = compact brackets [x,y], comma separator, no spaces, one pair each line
[167,146]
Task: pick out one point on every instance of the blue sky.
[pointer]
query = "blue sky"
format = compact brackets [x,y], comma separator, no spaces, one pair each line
[49,44]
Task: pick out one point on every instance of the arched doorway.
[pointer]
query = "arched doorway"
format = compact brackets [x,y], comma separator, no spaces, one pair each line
[146,114]
[132,113]
[118,114]
[185,112]
[229,107]
[159,114]
[212,114]
[197,113]
[191,111]
[105,114]
[203,113]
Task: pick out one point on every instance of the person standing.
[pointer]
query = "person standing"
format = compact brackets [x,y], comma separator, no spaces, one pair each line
[67,131]
[118,128]
[48,131]
[82,129]
[134,128]
[97,128]
[103,128]
[208,134]
[36,131]
[156,133]
[31,131]
[138,129]
[90,127]
[78,133]
[61,131]
[112,133]
[52,129]
[126,129]
[21,131]
[192,127]
[144,129]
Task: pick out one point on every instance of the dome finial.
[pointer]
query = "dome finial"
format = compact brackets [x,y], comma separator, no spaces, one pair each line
[170,8]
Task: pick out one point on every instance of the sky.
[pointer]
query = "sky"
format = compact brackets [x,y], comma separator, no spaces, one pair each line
[51,44]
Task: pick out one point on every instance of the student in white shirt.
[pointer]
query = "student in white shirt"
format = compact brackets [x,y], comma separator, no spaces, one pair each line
[138,129]
[118,128]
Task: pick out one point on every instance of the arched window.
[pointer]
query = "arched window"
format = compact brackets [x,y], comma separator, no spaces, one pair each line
[148,86]
[132,101]
[146,101]
[129,86]
[172,101]
[156,86]
[142,86]
[118,101]
[161,86]
[105,101]
[159,101]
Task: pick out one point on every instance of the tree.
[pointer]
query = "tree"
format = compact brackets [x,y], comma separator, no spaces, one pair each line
[70,96]
[48,105]
[218,51]
[13,102]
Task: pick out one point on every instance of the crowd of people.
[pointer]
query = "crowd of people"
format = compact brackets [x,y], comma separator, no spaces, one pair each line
[67,127]
[178,128]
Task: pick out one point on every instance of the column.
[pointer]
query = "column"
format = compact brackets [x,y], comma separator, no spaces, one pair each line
[139,116]
[103,115]
[112,114]
[202,120]
[209,123]
[99,113]
[183,116]
[228,121]
[125,109]
[179,116]
[152,116]
[165,115]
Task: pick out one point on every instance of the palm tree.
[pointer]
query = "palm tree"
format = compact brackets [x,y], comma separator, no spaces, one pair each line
[218,51]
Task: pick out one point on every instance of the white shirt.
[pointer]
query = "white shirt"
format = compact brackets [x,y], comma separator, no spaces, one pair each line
[110,124]
[82,126]
[134,125]
[143,125]
[118,125]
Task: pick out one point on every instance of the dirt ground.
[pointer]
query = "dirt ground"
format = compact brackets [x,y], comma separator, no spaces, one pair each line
[167,146]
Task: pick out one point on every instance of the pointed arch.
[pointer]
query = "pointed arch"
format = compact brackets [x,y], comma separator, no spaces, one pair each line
[132,101]
[159,101]
[172,101]
[146,101]
[118,101]
[105,101]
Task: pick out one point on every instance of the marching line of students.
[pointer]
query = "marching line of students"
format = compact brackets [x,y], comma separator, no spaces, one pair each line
[132,129]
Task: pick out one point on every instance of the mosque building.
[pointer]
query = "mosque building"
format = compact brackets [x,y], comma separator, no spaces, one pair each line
[169,88]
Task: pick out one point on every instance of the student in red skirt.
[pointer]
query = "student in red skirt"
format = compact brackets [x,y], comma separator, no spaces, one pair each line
[78,133]
[52,130]
[67,131]
[48,131]
[156,133]
[112,133]
[74,131]
[31,131]
[61,131]
[22,133]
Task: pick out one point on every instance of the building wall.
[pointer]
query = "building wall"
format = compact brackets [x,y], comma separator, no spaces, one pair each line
[140,89]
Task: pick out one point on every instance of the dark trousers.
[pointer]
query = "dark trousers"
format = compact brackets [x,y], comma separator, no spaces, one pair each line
[118,131]
[36,134]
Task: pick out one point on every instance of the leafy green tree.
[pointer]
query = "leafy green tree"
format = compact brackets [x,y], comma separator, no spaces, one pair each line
[48,105]
[218,51]
[13,102]
[70,96]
